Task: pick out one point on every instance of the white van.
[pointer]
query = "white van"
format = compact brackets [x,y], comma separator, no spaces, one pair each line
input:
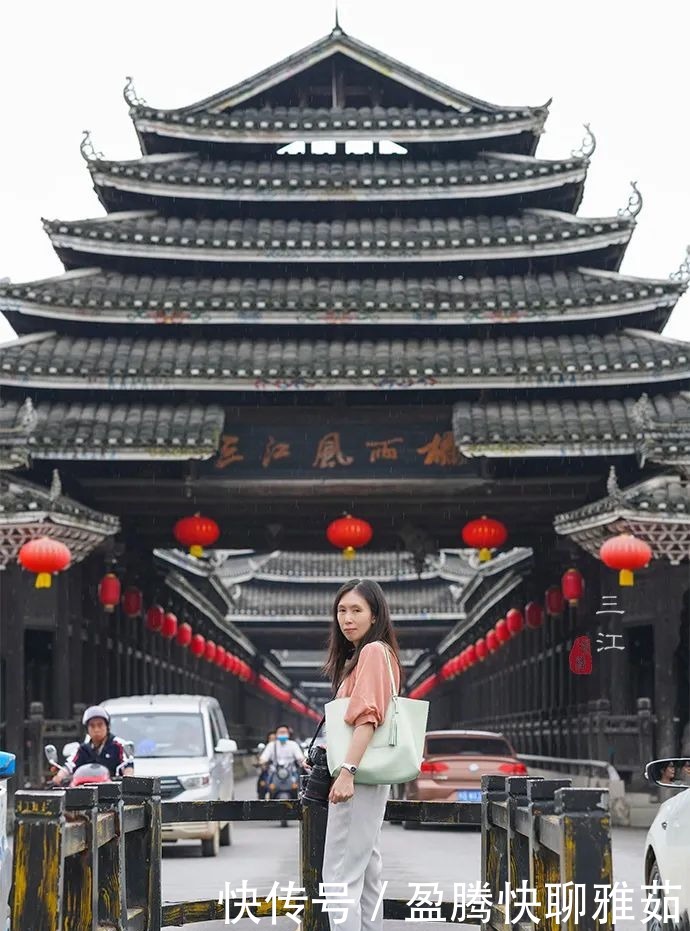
[182,739]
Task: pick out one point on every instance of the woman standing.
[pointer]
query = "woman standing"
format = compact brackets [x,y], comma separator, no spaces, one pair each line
[361,644]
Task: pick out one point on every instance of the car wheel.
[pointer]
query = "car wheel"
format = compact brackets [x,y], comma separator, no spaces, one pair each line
[211,845]
[655,923]
[225,836]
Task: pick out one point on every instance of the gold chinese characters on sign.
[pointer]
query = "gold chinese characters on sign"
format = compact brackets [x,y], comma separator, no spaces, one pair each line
[441,450]
[274,451]
[329,453]
[383,449]
[229,451]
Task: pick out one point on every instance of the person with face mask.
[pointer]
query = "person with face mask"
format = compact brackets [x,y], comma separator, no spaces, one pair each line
[283,751]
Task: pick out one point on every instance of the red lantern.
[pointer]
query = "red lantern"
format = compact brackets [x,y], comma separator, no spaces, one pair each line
[534,615]
[109,592]
[132,602]
[220,656]
[197,645]
[480,647]
[515,622]
[196,532]
[44,556]
[230,663]
[349,534]
[210,651]
[245,673]
[502,631]
[154,617]
[484,535]
[572,586]
[553,598]
[169,625]
[492,642]
[184,634]
[627,554]
[471,652]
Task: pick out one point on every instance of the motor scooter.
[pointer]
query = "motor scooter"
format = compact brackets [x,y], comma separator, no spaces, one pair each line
[282,782]
[87,773]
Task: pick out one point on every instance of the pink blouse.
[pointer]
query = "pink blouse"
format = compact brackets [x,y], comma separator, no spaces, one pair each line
[368,686]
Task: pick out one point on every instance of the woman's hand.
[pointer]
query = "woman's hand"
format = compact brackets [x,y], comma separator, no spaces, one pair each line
[343,787]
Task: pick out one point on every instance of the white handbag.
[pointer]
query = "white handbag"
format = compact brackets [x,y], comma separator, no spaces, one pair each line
[395,752]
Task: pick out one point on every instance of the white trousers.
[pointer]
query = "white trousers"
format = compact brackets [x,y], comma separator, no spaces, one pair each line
[352,857]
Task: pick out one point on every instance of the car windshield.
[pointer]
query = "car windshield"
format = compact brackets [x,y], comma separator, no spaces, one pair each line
[161,735]
[468,745]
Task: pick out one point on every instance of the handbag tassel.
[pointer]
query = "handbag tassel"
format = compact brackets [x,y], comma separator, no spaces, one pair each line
[393,736]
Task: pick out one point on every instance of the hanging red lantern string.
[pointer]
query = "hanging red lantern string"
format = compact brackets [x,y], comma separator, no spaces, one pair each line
[492,642]
[349,534]
[502,631]
[197,646]
[515,622]
[481,650]
[154,617]
[230,661]
[210,651]
[109,592]
[553,599]
[471,654]
[169,625]
[627,554]
[196,532]
[484,535]
[220,656]
[424,687]
[132,602]
[572,586]
[45,557]
[184,634]
[534,615]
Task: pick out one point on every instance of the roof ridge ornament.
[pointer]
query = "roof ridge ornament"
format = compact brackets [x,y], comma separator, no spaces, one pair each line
[55,486]
[588,144]
[27,418]
[612,486]
[130,94]
[337,28]
[635,202]
[683,272]
[642,412]
[88,151]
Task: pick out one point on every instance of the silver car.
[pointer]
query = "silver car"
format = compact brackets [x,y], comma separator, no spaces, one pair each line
[182,739]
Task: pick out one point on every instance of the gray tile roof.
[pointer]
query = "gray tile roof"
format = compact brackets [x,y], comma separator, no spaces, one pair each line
[83,430]
[502,299]
[299,178]
[28,511]
[147,234]
[298,566]
[666,496]
[558,362]
[266,600]
[540,427]
[395,122]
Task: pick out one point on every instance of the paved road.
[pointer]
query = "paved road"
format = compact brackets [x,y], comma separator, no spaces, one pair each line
[264,852]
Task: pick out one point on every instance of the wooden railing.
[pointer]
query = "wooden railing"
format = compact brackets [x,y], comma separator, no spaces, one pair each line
[90,858]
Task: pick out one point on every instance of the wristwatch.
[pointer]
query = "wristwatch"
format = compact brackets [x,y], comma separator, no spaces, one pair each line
[350,767]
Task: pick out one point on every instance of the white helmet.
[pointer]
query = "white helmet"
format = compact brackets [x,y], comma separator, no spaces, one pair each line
[95,711]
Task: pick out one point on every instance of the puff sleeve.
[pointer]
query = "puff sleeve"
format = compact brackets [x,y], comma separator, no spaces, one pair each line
[372,688]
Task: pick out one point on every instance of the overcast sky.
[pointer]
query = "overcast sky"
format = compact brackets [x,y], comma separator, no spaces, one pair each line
[622,66]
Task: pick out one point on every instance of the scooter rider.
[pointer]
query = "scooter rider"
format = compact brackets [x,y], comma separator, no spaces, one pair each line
[282,751]
[101,747]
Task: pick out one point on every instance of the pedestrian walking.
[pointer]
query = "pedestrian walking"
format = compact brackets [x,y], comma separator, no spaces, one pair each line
[362,652]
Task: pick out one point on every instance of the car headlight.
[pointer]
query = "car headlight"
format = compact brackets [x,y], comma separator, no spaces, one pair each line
[196,781]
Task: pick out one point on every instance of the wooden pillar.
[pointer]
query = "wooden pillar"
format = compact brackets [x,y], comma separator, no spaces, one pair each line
[62,661]
[668,592]
[76,644]
[12,637]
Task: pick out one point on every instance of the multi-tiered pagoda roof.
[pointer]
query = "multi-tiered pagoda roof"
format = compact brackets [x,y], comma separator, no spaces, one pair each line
[341,225]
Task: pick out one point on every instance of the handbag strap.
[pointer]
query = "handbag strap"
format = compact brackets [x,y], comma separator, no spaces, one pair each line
[394,691]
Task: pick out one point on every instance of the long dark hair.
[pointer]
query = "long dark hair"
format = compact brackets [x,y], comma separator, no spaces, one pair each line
[342,655]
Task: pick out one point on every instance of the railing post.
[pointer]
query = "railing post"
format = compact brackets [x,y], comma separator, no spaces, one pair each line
[143,850]
[312,841]
[645,731]
[495,857]
[36,900]
[543,867]
[112,880]
[35,727]
[80,884]
[517,844]
[585,850]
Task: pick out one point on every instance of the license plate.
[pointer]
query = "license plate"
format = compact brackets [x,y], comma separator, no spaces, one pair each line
[469,795]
